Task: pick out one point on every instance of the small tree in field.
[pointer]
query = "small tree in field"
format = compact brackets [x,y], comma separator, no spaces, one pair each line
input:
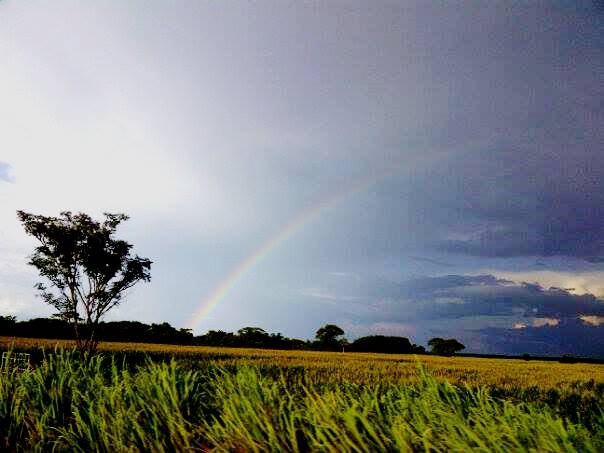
[88,269]
[448,347]
[327,337]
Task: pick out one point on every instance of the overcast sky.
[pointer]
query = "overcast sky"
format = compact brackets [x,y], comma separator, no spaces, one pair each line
[418,169]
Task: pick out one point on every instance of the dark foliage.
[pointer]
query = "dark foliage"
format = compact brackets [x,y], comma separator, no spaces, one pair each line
[385,344]
[250,337]
[138,332]
[126,331]
[327,338]
[447,347]
[7,325]
[568,358]
[87,269]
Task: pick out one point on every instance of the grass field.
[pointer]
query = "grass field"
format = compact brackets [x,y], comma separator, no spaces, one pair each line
[144,397]
[359,368]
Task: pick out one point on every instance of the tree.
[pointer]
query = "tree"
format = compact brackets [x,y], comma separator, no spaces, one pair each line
[253,337]
[252,332]
[381,343]
[441,346]
[328,332]
[7,324]
[216,338]
[327,337]
[88,269]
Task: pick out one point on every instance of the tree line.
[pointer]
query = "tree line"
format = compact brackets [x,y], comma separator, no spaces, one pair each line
[327,338]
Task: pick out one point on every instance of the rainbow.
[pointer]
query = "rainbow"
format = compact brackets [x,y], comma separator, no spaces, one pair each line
[296,223]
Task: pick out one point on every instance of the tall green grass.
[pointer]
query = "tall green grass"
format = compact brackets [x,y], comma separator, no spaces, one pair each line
[70,403]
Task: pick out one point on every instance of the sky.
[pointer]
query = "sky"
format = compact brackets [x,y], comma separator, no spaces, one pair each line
[398,168]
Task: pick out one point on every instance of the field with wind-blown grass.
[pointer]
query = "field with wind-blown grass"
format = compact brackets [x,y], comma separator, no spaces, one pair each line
[136,397]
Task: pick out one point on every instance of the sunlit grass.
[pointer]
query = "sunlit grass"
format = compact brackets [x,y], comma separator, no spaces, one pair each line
[101,404]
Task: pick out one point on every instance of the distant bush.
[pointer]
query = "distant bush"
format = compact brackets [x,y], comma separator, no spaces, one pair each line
[568,358]
[446,347]
[384,344]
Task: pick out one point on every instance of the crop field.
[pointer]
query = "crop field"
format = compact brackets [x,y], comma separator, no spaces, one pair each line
[358,368]
[147,397]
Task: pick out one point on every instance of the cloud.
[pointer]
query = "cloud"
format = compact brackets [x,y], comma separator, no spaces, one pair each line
[431,261]
[484,311]
[541,322]
[575,282]
[569,336]
[319,293]
[354,329]
[492,296]
[11,307]
[347,275]
[6,173]
[592,320]
[524,200]
[594,259]
[438,285]
[453,297]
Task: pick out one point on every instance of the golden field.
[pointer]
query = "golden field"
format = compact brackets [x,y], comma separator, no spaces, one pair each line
[361,368]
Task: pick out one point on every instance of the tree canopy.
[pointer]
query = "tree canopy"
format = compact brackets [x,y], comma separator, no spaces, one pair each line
[445,346]
[327,337]
[88,270]
[385,344]
[328,332]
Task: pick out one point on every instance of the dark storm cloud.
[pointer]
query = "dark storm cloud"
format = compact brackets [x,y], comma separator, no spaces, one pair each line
[453,297]
[595,259]
[570,336]
[486,313]
[533,187]
[426,286]
[526,201]
[5,172]
[517,115]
